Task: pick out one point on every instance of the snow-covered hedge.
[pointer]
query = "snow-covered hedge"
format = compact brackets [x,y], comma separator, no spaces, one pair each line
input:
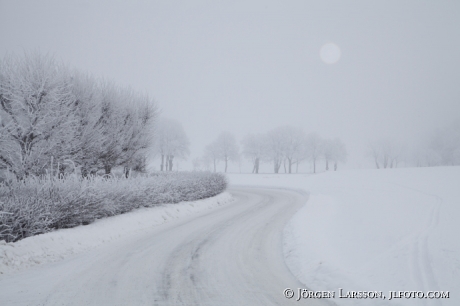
[38,205]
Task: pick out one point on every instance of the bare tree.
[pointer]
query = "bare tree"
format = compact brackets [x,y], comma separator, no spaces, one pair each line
[211,155]
[328,151]
[294,145]
[225,148]
[275,148]
[197,164]
[385,152]
[339,152]
[171,142]
[374,152]
[334,151]
[254,147]
[313,148]
[444,145]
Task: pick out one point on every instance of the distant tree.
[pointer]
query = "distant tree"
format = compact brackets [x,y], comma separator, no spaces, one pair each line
[385,152]
[374,152]
[226,148]
[254,148]
[212,154]
[275,142]
[293,145]
[444,145]
[334,150]
[314,148]
[339,152]
[197,164]
[171,142]
[328,151]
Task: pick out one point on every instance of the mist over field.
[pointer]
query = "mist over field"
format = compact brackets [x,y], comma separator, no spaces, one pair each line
[380,77]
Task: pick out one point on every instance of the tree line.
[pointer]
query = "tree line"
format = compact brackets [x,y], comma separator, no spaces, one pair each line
[284,146]
[440,148]
[53,118]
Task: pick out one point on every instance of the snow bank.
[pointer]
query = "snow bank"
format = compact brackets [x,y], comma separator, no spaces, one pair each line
[61,243]
[375,230]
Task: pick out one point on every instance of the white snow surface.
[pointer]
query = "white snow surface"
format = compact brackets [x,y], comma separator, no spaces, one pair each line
[59,244]
[374,230]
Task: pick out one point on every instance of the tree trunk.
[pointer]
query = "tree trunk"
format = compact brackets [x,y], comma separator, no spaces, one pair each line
[170,161]
[257,165]
[327,164]
[385,162]
[335,166]
[107,169]
[290,165]
[162,162]
[277,166]
[314,166]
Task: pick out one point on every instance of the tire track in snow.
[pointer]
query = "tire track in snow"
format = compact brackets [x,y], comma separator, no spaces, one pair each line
[422,270]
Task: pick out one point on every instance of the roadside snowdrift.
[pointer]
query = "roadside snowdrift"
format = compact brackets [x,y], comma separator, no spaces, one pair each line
[376,230]
[58,244]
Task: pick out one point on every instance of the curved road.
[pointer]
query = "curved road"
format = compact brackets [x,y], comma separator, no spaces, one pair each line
[229,256]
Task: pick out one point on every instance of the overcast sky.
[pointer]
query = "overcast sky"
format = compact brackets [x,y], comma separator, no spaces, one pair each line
[249,66]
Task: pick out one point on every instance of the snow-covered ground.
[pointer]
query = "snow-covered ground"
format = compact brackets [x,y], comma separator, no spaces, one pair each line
[56,245]
[374,230]
[360,230]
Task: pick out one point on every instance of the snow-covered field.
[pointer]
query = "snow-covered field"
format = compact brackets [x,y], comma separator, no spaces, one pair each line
[360,230]
[374,230]
[56,245]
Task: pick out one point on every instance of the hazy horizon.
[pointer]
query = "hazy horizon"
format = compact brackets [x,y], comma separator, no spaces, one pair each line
[250,66]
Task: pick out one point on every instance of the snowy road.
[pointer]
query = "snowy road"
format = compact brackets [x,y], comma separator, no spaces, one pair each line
[229,256]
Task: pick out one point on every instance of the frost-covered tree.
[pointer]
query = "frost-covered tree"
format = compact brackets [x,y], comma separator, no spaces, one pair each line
[334,151]
[171,142]
[197,164]
[126,120]
[385,152]
[89,131]
[275,148]
[293,145]
[444,145]
[254,148]
[37,121]
[225,148]
[314,148]
[211,155]
[328,151]
[50,116]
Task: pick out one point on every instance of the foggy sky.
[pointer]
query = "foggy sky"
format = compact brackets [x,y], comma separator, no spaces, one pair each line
[249,66]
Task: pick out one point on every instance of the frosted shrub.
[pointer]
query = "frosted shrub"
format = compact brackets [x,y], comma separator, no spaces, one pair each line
[38,205]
